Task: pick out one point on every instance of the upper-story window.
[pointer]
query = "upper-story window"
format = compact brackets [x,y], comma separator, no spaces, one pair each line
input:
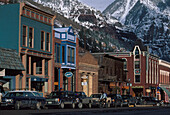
[31,37]
[63,54]
[42,40]
[63,36]
[48,42]
[137,53]
[137,64]
[24,36]
[71,53]
[58,53]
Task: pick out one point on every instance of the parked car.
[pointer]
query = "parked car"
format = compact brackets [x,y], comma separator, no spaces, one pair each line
[146,100]
[21,99]
[61,98]
[116,100]
[128,100]
[83,100]
[97,101]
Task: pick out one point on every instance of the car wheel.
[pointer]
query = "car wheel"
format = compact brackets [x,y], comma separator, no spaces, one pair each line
[62,105]
[73,105]
[90,105]
[80,105]
[17,105]
[38,105]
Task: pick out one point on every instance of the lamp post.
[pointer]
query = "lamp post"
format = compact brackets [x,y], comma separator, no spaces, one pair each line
[129,85]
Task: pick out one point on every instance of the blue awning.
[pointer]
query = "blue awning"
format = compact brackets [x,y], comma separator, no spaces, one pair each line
[38,79]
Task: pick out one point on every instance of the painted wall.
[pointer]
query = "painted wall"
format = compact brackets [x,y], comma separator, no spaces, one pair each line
[9,26]
[38,27]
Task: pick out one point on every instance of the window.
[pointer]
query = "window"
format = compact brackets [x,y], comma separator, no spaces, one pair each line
[137,78]
[42,40]
[137,51]
[72,55]
[46,67]
[125,64]
[24,36]
[63,54]
[39,67]
[69,54]
[48,42]
[58,53]
[137,64]
[31,34]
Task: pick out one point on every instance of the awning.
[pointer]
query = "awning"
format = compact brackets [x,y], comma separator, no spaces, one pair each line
[3,80]
[38,79]
[166,90]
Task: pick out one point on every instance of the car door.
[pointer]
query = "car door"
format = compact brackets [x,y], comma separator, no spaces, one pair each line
[20,96]
[32,99]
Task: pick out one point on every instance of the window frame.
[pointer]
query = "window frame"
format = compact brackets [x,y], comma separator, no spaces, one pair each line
[24,38]
[32,38]
[42,47]
[47,42]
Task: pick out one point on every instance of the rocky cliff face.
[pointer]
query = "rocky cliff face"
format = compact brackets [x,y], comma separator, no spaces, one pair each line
[148,19]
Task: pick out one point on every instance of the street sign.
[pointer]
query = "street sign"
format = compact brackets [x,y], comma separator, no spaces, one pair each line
[68,74]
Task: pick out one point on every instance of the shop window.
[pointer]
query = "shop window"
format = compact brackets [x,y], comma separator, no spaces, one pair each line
[47,42]
[137,78]
[39,67]
[31,37]
[42,40]
[37,85]
[46,67]
[24,36]
[63,54]
[137,64]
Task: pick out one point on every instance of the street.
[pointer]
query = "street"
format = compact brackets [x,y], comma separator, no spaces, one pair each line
[93,111]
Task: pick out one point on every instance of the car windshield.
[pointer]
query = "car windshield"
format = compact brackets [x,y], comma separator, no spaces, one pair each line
[56,94]
[80,94]
[37,94]
[95,95]
[14,94]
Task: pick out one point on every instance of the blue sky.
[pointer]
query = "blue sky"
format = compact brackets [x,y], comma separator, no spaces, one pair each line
[98,4]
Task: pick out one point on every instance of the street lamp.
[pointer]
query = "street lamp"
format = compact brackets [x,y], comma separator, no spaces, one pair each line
[129,85]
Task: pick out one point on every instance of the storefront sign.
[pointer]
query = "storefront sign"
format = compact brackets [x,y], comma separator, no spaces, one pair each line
[2,72]
[68,74]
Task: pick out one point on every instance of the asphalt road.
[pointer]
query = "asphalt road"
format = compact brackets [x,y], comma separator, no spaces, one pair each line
[93,111]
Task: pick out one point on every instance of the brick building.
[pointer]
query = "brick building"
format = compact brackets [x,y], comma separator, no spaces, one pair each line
[88,74]
[111,74]
[142,70]
[164,81]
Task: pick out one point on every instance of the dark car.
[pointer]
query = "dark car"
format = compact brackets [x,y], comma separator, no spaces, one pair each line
[61,98]
[116,100]
[146,100]
[128,100]
[22,99]
[83,100]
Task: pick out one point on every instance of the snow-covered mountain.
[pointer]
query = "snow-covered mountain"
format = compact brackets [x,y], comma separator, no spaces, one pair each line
[149,19]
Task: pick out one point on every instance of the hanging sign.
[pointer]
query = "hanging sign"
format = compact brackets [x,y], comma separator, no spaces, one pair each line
[68,74]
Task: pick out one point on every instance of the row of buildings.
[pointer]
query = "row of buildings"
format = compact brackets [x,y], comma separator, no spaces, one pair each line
[36,56]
